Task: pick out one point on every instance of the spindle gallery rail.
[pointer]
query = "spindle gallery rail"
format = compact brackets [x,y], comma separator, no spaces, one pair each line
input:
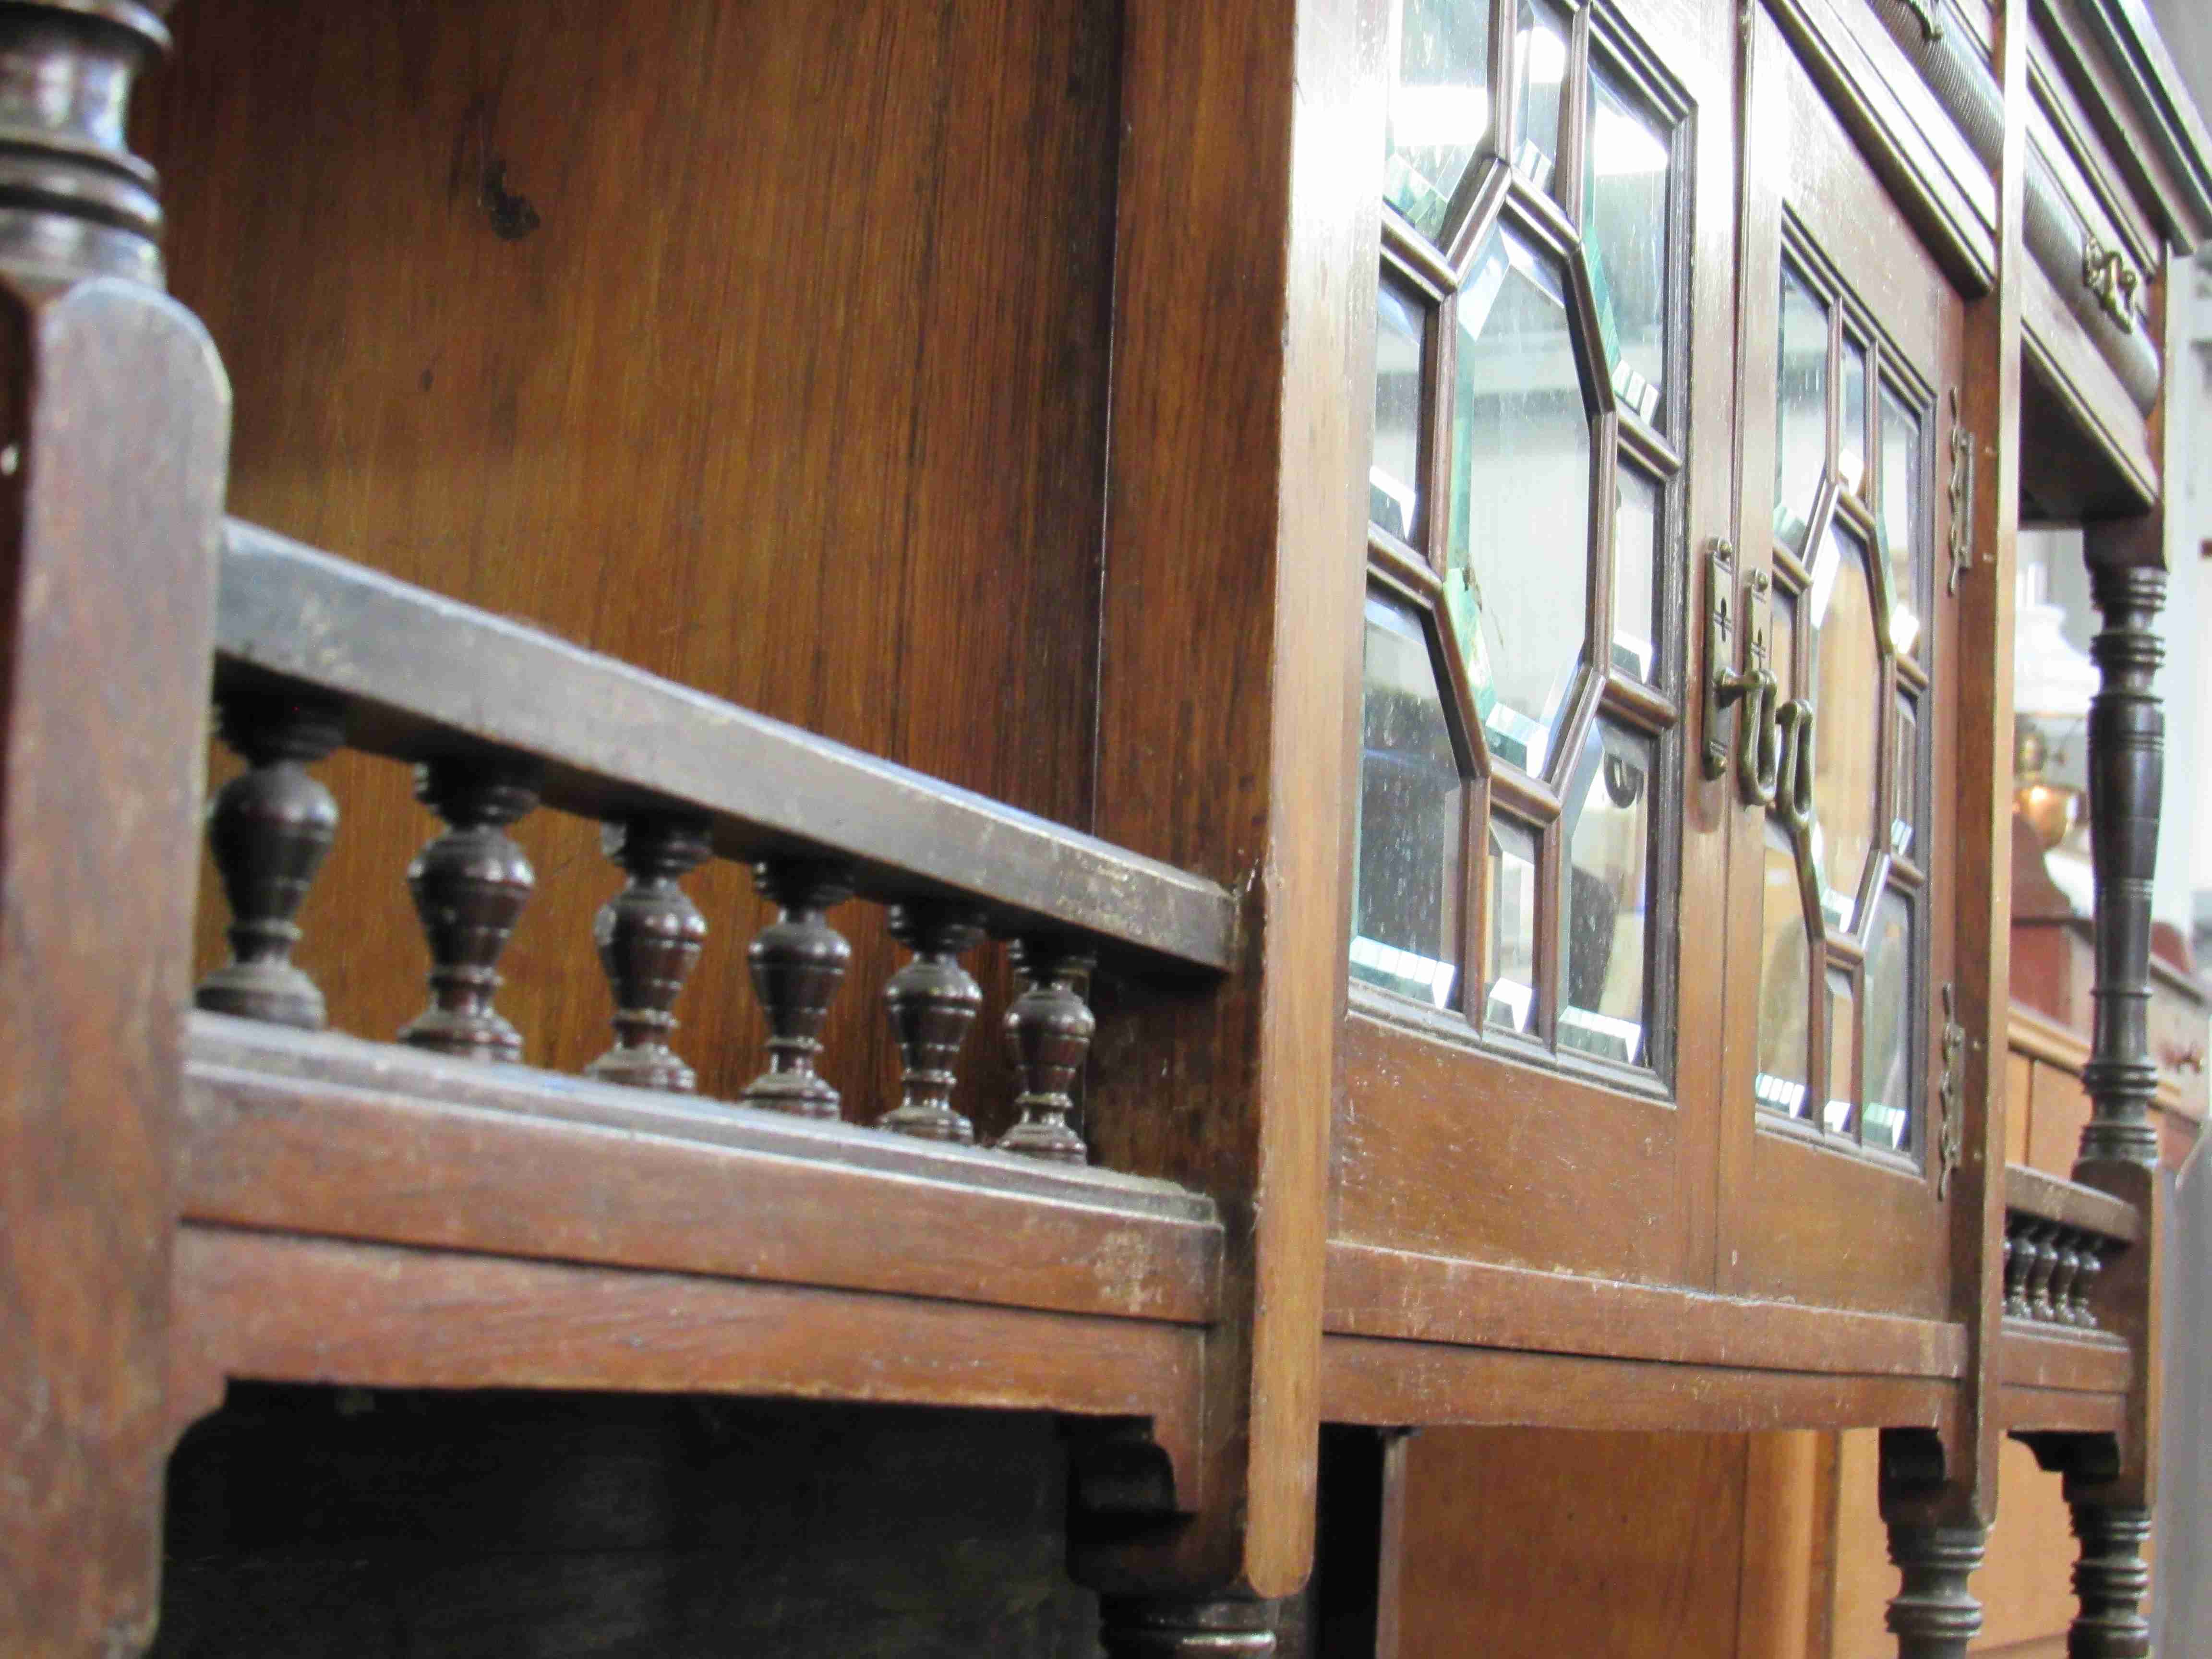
[2059,1237]
[314,653]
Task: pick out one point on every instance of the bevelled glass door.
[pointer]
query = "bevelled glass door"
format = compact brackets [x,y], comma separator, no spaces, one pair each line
[1516,945]
[1843,714]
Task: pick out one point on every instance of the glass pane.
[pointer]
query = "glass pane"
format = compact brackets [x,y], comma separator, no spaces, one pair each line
[1635,572]
[1439,106]
[1904,802]
[1784,982]
[1624,217]
[1801,409]
[1512,876]
[1393,476]
[1405,903]
[1540,72]
[1851,447]
[1904,512]
[1781,639]
[1846,695]
[1843,1057]
[1889,1000]
[1608,824]
[1516,570]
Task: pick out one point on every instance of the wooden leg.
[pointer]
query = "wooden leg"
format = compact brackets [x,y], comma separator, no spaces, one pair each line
[2111,1579]
[1159,1627]
[1933,1616]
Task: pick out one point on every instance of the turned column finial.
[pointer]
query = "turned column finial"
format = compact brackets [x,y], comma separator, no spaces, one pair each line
[470,886]
[1171,1627]
[1049,1032]
[2111,1580]
[798,961]
[2127,764]
[269,829]
[649,936]
[74,200]
[931,1002]
[1933,1616]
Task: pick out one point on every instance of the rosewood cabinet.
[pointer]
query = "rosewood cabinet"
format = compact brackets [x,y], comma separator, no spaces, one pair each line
[1182,736]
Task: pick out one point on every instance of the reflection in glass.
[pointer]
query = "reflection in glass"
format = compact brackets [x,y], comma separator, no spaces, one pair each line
[1393,476]
[1846,695]
[1635,572]
[1843,1057]
[1889,1000]
[1607,823]
[1800,408]
[1904,802]
[1439,106]
[1405,900]
[1516,568]
[1904,508]
[1512,878]
[1625,220]
[1784,982]
[1850,446]
[1540,72]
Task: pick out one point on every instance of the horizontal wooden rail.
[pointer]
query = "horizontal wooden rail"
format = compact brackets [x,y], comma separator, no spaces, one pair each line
[2049,1198]
[2058,1237]
[421,675]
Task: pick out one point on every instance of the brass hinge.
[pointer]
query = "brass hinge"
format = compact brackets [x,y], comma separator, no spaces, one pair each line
[1962,495]
[1948,1129]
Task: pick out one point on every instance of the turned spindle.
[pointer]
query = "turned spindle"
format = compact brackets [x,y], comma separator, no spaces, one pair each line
[2085,1282]
[268,829]
[2063,1275]
[1164,1628]
[1934,1615]
[798,960]
[2018,1257]
[2111,1581]
[470,886]
[649,936]
[2039,1238]
[931,1001]
[1049,1032]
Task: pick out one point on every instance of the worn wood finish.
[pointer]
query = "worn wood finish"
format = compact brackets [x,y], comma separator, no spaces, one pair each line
[420,671]
[1388,1293]
[2037,1357]
[116,417]
[326,1135]
[1230,633]
[1367,1380]
[2070,1204]
[254,1306]
[802,427]
[1489,1568]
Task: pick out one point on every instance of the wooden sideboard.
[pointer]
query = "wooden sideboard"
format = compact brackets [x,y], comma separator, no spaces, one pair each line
[998,779]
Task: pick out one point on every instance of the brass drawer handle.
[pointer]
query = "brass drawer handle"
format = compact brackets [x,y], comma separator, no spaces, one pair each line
[2107,274]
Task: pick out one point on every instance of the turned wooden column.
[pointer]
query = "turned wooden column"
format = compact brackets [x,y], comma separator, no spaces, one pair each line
[799,960]
[649,936]
[114,432]
[931,1002]
[2111,1581]
[2127,775]
[470,886]
[1934,1615]
[268,830]
[1049,1032]
[1144,1627]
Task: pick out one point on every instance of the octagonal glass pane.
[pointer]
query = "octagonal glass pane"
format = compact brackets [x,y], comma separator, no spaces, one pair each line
[1903,485]
[1511,1005]
[1540,74]
[1846,687]
[1406,872]
[1517,577]
[1439,114]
